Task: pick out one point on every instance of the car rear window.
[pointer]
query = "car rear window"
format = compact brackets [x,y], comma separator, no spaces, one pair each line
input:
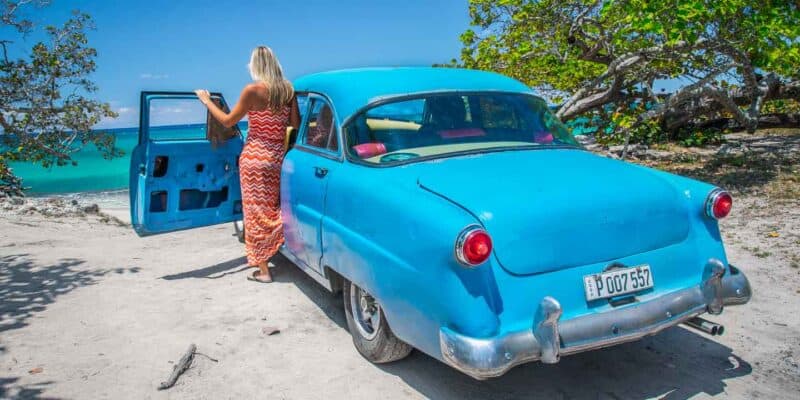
[452,123]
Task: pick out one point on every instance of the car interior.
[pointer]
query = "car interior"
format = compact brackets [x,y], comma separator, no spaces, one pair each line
[445,120]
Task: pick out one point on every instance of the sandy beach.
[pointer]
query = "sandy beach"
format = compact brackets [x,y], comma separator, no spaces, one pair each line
[473,175]
[89,310]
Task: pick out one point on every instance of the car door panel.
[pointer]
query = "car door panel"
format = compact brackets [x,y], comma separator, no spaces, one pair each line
[304,178]
[180,183]
[303,203]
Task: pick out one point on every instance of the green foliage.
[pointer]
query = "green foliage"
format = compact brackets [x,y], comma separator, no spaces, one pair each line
[781,106]
[614,126]
[650,133]
[45,114]
[576,49]
[523,44]
[531,40]
[700,137]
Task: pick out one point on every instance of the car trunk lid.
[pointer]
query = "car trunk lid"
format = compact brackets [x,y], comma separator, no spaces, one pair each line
[553,209]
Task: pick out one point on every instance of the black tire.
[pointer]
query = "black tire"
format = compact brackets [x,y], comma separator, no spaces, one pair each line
[384,347]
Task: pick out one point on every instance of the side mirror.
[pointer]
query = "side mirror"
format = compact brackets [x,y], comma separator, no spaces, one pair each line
[216,133]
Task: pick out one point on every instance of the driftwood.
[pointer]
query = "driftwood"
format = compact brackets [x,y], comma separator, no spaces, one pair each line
[179,368]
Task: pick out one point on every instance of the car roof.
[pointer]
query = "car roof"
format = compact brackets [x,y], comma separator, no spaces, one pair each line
[351,90]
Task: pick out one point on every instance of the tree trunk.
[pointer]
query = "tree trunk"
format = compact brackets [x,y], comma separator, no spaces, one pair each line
[674,122]
[765,121]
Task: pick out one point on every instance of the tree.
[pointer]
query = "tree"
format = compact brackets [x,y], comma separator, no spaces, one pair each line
[45,114]
[730,56]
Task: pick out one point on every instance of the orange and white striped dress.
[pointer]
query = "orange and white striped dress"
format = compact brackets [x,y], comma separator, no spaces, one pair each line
[260,176]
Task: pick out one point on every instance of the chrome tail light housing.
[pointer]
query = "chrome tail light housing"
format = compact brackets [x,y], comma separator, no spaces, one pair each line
[718,204]
[473,246]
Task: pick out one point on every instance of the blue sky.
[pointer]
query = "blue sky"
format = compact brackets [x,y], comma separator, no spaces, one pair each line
[185,45]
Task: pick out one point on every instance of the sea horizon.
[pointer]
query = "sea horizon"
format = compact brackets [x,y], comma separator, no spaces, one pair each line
[94,173]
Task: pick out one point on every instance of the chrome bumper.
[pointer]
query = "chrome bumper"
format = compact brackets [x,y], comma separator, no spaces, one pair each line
[550,338]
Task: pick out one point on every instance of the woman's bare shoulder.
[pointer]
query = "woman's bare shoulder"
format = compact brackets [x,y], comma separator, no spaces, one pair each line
[255,94]
[255,88]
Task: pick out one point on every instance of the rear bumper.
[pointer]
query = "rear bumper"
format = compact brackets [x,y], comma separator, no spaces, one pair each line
[549,338]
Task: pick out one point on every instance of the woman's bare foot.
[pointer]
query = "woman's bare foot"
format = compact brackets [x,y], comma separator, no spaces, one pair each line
[258,276]
[262,275]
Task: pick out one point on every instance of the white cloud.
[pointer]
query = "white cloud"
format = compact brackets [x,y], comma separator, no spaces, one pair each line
[168,110]
[126,117]
[148,75]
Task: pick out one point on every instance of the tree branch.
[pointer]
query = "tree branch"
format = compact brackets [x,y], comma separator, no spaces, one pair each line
[5,50]
[10,8]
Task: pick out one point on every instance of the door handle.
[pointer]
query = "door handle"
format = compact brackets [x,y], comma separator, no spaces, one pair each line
[320,172]
[142,169]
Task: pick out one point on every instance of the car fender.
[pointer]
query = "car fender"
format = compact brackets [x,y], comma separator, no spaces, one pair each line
[396,240]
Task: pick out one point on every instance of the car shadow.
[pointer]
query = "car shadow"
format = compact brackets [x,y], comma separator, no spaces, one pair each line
[27,287]
[676,364]
[673,365]
[329,303]
[215,271]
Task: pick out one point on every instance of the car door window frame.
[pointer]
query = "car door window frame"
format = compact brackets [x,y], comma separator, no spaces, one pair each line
[147,97]
[333,155]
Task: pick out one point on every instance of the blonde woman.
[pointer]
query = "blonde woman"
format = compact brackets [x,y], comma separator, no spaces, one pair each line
[271,106]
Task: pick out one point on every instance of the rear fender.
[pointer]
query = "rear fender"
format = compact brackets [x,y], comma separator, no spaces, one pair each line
[397,243]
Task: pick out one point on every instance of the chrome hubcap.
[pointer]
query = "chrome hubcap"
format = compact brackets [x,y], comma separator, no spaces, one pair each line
[366,312]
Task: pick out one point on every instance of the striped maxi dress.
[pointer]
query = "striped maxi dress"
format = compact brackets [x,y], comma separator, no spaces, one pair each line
[260,174]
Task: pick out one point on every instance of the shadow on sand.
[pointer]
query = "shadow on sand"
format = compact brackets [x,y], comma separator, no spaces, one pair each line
[676,364]
[27,288]
[10,389]
[329,303]
[215,271]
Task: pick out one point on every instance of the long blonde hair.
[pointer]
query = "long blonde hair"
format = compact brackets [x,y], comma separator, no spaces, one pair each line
[264,67]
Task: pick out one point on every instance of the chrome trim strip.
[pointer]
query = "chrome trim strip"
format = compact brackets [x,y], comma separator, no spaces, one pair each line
[549,339]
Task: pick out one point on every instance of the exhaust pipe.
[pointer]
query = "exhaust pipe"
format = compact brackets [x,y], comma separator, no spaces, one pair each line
[704,325]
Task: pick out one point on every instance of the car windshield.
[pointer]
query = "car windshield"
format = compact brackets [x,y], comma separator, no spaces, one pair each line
[447,124]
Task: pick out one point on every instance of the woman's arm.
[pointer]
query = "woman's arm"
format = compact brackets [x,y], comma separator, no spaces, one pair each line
[238,112]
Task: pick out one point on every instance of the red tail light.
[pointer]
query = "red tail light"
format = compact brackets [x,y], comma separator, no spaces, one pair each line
[719,204]
[473,247]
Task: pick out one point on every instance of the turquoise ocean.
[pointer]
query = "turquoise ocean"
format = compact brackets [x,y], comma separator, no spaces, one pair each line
[93,173]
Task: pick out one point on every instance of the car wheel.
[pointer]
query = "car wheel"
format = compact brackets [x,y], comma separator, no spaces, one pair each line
[367,324]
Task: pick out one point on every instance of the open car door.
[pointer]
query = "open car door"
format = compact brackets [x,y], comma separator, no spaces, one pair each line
[184,171]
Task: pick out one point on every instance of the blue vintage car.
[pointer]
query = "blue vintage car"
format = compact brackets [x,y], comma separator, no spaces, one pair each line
[459,217]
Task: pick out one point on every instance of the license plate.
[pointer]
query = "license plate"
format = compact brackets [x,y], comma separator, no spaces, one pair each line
[617,282]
